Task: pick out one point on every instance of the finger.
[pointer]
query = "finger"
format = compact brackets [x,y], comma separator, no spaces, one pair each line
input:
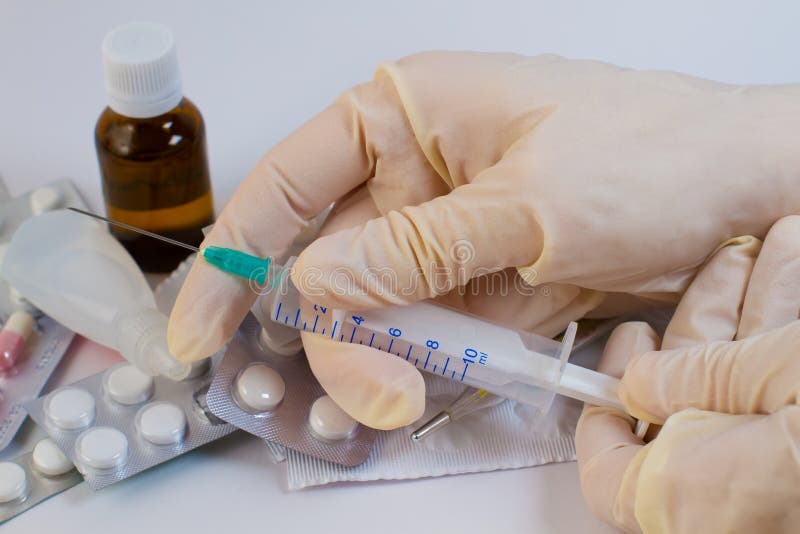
[351,210]
[321,161]
[373,388]
[505,298]
[376,389]
[773,295]
[709,310]
[609,453]
[758,374]
[702,462]
[429,249]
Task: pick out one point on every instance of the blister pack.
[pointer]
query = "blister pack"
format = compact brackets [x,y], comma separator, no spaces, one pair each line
[30,348]
[33,477]
[277,398]
[47,342]
[506,436]
[120,422]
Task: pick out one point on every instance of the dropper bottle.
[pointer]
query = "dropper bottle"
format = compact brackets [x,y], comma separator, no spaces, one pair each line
[151,146]
[71,268]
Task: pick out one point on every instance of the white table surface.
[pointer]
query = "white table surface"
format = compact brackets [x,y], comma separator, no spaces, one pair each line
[257,70]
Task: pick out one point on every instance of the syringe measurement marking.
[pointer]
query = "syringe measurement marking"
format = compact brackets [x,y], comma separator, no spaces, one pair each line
[437,368]
[409,352]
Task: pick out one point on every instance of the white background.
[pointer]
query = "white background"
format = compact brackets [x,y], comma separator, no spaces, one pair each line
[259,69]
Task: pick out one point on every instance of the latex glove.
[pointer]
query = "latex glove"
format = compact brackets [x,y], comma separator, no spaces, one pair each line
[575,174]
[730,347]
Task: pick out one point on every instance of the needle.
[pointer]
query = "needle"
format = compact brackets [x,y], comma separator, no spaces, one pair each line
[226,259]
[137,230]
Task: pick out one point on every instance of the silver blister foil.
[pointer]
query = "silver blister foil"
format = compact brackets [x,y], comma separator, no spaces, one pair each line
[287,424]
[189,395]
[43,350]
[40,487]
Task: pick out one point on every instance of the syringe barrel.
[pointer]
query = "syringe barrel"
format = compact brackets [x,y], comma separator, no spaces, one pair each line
[512,364]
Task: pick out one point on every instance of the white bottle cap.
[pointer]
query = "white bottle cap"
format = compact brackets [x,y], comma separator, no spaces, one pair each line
[141,70]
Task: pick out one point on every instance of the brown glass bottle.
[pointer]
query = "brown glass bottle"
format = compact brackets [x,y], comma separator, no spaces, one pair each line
[155,176]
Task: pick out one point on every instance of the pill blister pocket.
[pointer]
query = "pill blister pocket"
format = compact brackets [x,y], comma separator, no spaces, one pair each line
[34,487]
[43,351]
[106,439]
[286,424]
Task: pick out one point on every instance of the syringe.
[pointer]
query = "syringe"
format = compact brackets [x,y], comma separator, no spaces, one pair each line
[455,345]
[512,364]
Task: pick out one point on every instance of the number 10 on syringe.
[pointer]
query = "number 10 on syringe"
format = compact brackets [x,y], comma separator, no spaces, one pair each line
[455,345]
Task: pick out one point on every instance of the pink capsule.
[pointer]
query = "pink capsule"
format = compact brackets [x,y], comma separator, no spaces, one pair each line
[13,336]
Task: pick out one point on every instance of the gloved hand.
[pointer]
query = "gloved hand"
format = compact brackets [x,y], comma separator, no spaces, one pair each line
[725,386]
[609,186]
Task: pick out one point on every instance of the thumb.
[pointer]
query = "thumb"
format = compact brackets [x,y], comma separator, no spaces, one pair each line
[378,391]
[422,251]
[608,452]
[267,211]
[758,374]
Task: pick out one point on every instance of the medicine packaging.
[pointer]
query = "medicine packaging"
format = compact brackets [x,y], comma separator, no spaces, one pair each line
[121,421]
[24,381]
[33,477]
[31,345]
[276,397]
